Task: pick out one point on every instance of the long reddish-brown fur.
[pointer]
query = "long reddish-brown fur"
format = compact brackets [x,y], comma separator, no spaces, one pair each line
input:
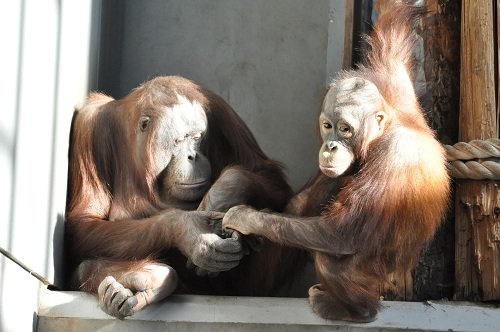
[114,211]
[376,219]
[395,202]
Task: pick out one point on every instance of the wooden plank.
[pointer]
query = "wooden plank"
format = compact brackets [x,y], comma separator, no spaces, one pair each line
[439,94]
[477,258]
[478,239]
[497,3]
[478,118]
[348,34]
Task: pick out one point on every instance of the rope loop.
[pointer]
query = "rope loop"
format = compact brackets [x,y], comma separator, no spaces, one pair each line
[475,149]
[485,167]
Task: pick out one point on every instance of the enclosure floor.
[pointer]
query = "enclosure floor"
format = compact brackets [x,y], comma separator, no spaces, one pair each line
[76,311]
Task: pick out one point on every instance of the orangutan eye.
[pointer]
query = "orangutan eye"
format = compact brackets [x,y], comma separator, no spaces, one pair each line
[197,136]
[344,129]
[144,123]
[327,125]
[179,140]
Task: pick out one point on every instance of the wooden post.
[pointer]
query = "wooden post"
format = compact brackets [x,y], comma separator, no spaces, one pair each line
[348,31]
[434,276]
[477,208]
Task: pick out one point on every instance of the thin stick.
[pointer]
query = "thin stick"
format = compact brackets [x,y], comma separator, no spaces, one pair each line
[27,269]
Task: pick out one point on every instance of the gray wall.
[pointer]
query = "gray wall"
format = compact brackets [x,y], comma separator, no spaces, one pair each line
[269,59]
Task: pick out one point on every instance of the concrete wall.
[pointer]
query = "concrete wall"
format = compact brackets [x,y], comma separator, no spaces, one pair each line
[269,59]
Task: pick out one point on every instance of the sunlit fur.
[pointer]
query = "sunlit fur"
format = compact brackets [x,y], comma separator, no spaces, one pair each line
[393,205]
[373,220]
[115,211]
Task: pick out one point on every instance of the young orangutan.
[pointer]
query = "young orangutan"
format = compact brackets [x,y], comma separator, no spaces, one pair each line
[383,187]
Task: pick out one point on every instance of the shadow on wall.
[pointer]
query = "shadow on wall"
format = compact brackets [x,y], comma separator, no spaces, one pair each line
[58,255]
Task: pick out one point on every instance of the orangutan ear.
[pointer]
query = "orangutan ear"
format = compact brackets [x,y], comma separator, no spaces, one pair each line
[380,117]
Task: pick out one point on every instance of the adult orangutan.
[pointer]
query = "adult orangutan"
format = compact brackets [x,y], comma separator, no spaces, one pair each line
[383,187]
[139,168]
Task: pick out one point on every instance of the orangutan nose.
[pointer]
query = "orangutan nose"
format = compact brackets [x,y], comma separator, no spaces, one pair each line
[331,145]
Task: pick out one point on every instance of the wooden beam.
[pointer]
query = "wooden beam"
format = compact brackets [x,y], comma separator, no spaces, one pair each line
[348,34]
[434,276]
[477,255]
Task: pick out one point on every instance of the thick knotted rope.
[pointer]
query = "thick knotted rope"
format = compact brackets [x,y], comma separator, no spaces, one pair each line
[486,164]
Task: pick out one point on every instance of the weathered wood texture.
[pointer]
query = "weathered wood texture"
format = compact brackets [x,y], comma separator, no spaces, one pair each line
[477,207]
[348,34]
[433,277]
[441,39]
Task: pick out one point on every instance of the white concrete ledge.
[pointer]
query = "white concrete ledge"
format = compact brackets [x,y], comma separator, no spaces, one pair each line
[76,311]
